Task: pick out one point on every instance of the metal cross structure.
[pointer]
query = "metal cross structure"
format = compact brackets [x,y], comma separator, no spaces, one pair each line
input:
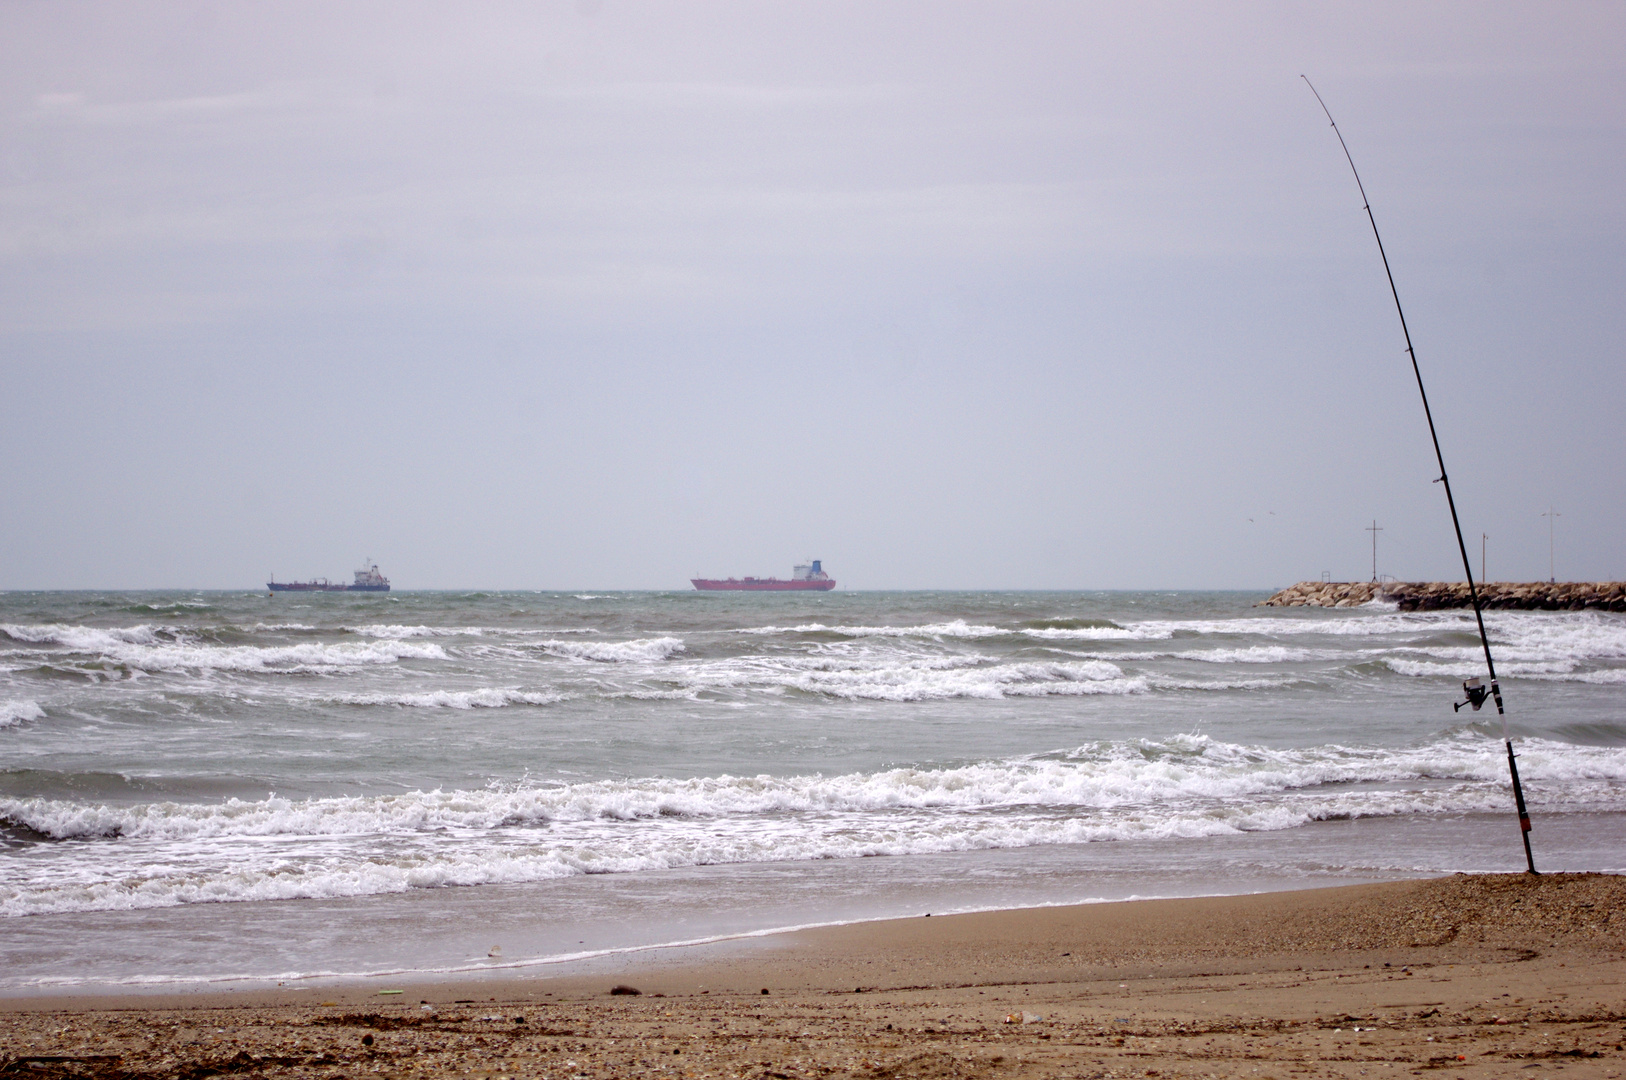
[1374,529]
[1552,566]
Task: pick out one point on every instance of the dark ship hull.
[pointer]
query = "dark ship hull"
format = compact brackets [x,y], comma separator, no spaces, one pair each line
[368,579]
[321,586]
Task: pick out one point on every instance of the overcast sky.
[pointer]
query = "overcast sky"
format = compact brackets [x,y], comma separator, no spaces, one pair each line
[950,295]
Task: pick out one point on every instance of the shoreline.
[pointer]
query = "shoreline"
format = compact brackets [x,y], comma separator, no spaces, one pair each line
[578,965]
[1494,968]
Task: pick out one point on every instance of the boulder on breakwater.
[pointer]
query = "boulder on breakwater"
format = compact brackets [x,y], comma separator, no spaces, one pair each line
[1432,595]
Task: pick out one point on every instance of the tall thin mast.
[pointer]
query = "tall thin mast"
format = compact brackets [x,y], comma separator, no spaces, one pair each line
[1476,693]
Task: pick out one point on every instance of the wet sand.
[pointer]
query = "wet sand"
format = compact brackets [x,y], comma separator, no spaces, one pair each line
[1460,976]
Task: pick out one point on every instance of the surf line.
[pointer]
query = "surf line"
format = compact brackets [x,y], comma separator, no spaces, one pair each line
[1475,692]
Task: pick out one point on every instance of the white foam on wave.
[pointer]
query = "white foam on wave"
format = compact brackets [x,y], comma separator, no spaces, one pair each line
[889,676]
[396,632]
[1187,786]
[1137,772]
[310,656]
[371,866]
[1588,633]
[143,648]
[1533,634]
[1095,633]
[15,713]
[955,628]
[1255,654]
[1551,635]
[932,677]
[1604,677]
[1256,683]
[1260,654]
[1562,670]
[490,697]
[81,638]
[921,682]
[615,652]
[1334,623]
[960,629]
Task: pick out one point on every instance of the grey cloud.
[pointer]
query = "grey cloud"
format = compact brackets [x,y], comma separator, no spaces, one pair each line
[958,295]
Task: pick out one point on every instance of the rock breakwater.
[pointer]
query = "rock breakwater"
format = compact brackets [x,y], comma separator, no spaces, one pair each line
[1432,595]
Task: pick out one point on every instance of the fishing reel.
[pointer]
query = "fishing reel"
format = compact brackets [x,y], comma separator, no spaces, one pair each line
[1476,695]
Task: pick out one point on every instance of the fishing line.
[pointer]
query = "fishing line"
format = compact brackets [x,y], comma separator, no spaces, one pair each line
[1476,693]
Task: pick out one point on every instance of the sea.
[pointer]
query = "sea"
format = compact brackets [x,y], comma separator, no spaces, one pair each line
[229,789]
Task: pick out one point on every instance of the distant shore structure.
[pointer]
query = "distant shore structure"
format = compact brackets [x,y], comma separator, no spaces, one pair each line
[1433,595]
[368,579]
[805,577]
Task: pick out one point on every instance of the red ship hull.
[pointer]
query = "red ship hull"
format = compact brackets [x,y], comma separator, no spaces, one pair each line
[752,584]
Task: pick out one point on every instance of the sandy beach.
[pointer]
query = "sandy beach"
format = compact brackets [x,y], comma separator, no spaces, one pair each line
[1475,975]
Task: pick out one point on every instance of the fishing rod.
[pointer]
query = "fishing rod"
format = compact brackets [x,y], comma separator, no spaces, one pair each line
[1476,693]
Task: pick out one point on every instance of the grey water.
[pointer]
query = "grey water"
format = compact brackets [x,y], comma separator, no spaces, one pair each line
[199,788]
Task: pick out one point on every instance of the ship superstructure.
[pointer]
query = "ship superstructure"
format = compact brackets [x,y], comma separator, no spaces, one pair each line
[805,577]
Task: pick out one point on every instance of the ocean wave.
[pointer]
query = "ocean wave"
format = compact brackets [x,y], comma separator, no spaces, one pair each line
[1136,772]
[919,682]
[81,638]
[395,632]
[948,677]
[13,713]
[273,658]
[1183,787]
[1255,683]
[1069,622]
[1260,654]
[1586,634]
[1070,630]
[372,866]
[1096,633]
[1254,654]
[145,649]
[493,697]
[911,678]
[1604,677]
[1593,635]
[615,652]
[1468,667]
[955,628]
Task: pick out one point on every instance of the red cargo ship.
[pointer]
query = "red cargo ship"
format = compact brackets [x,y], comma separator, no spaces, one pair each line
[808,577]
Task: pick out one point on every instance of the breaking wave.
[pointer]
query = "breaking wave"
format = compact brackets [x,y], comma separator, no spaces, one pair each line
[1138,772]
[13,713]
[615,652]
[1186,786]
[495,697]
